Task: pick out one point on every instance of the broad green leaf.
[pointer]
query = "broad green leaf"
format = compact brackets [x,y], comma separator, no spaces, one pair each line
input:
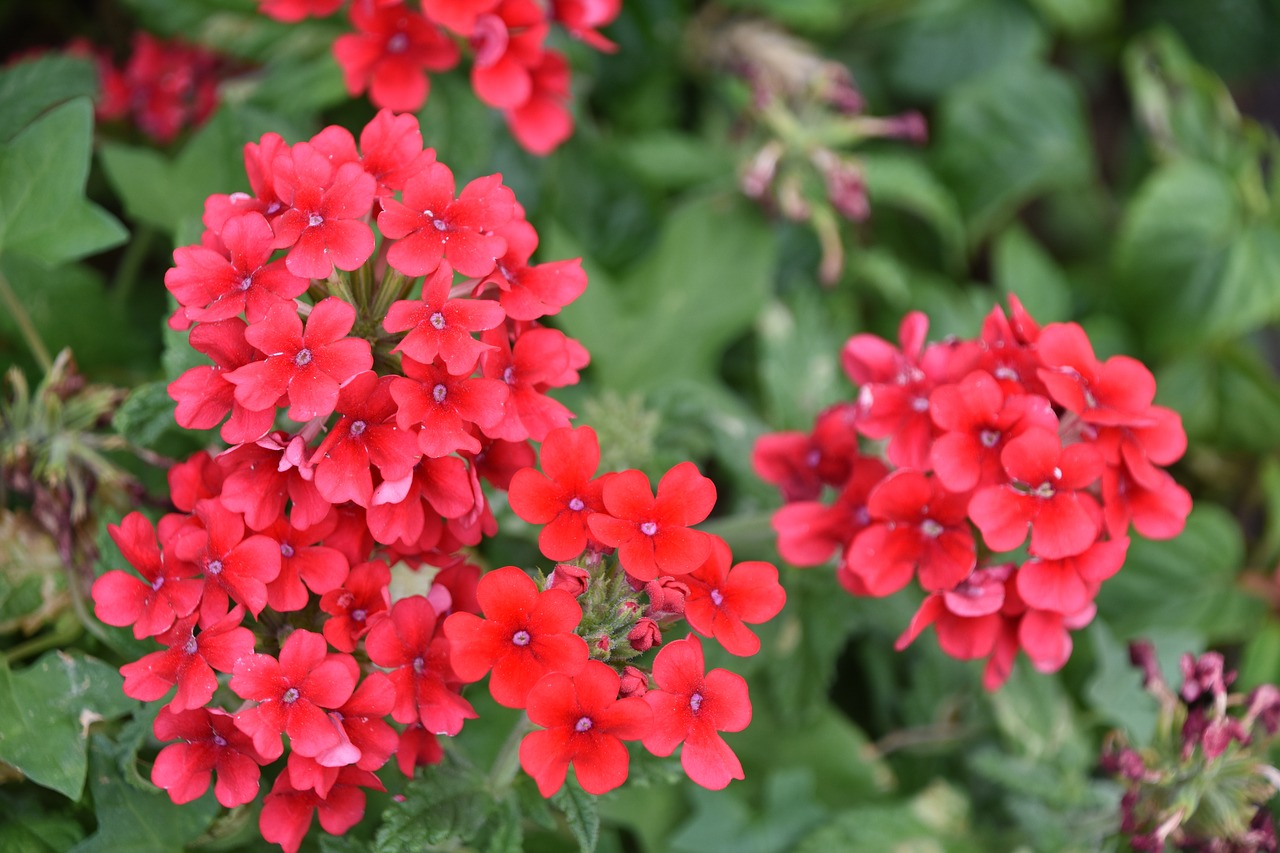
[943,43]
[132,819]
[1025,269]
[146,414]
[1008,137]
[1188,581]
[27,826]
[666,159]
[168,194]
[43,212]
[30,87]
[904,182]
[1248,296]
[800,340]
[45,714]
[448,802]
[724,823]
[1229,400]
[1114,690]
[581,813]
[1173,250]
[671,316]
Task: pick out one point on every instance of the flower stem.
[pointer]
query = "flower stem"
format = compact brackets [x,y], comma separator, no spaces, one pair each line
[25,326]
[503,772]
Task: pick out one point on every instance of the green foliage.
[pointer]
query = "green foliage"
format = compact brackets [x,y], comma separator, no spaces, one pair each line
[46,712]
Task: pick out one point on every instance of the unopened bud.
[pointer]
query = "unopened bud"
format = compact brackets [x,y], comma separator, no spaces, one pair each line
[645,635]
[635,682]
[666,597]
[573,579]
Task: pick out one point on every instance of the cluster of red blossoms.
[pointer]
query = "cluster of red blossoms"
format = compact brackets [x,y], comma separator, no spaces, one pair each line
[396,43]
[1022,431]
[163,88]
[370,382]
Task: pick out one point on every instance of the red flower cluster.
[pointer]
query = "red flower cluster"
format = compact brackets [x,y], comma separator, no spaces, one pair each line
[395,44]
[364,421]
[567,652]
[1021,436]
[164,87]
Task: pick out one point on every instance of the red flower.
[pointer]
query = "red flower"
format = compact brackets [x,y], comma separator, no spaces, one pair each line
[721,599]
[1117,391]
[1044,493]
[524,635]
[692,706]
[323,226]
[529,292]
[303,561]
[541,123]
[1068,585]
[390,54]
[366,435]
[203,393]
[966,619]
[564,497]
[168,589]
[391,150]
[457,15]
[309,366]
[581,18]
[406,642]
[292,694]
[354,606]
[809,532]
[215,286]
[651,534]
[584,724]
[916,525]
[287,812]
[540,359]
[189,661]
[445,405]
[800,464]
[431,224]
[418,747]
[292,11]
[234,566]
[440,326]
[263,475]
[507,44]
[210,742]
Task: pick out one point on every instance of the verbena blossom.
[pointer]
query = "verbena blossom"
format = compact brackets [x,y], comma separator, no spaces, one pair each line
[1014,466]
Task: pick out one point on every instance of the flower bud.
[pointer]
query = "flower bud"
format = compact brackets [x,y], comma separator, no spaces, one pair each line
[666,597]
[645,635]
[573,579]
[635,682]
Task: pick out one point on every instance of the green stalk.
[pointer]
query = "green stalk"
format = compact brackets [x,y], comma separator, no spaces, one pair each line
[25,326]
[507,763]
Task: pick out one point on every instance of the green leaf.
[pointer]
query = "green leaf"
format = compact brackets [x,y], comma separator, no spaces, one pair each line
[935,819]
[43,169]
[45,714]
[447,802]
[30,87]
[904,182]
[671,160]
[146,414]
[132,819]
[1173,250]
[944,43]
[1115,689]
[800,340]
[673,315]
[581,813]
[169,193]
[1229,400]
[723,823]
[1079,17]
[1008,137]
[1025,269]
[28,826]
[1188,581]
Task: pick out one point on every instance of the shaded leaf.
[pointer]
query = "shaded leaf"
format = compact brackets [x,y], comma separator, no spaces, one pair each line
[1023,268]
[581,813]
[446,802]
[724,823]
[30,87]
[904,182]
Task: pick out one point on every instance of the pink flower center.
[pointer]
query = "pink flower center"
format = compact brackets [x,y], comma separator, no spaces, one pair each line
[286,550]
[576,504]
[290,696]
[213,567]
[717,597]
[357,428]
[1044,490]
[931,528]
[649,528]
[437,321]
[508,374]
[191,647]
[439,392]
[695,702]
[583,725]
[521,638]
[246,282]
[920,404]
[812,458]
[219,740]
[315,219]
[989,437]
[440,224]
[303,358]
[358,615]
[157,583]
[419,665]
[398,43]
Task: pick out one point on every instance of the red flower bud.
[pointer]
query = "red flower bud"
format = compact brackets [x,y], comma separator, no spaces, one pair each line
[645,635]
[666,597]
[570,578]
[635,682]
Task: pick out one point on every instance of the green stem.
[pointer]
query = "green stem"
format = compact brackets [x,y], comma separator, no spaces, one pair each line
[64,631]
[507,763]
[135,254]
[25,326]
